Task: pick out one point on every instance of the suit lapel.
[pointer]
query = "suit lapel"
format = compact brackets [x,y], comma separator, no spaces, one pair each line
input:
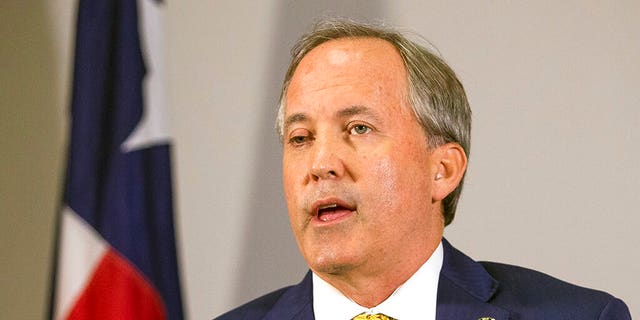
[464,289]
[295,303]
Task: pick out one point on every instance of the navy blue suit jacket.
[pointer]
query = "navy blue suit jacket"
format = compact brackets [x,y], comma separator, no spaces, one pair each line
[466,290]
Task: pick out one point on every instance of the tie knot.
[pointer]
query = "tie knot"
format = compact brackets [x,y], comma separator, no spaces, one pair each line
[377,316]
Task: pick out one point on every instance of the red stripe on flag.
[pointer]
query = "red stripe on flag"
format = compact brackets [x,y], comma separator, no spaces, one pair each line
[117,291]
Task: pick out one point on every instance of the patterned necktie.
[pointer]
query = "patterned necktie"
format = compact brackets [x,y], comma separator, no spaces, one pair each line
[377,316]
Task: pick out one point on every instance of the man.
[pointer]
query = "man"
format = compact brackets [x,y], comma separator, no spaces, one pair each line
[376,135]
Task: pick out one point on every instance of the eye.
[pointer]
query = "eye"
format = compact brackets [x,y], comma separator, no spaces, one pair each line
[299,137]
[358,129]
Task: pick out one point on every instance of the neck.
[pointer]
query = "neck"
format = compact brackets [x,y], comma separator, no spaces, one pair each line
[370,288]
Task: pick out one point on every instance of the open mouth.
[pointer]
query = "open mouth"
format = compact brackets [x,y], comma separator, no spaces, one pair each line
[332,211]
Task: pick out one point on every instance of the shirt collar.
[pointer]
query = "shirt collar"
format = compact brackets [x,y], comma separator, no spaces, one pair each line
[415,299]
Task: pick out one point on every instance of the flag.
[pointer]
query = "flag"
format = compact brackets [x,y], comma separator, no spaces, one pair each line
[116,252]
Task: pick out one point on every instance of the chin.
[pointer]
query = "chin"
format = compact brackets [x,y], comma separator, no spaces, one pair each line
[331,262]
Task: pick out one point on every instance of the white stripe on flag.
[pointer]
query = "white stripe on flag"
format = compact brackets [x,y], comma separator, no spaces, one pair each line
[81,249]
[153,128]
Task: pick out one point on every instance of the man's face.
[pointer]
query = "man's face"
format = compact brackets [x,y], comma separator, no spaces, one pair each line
[357,167]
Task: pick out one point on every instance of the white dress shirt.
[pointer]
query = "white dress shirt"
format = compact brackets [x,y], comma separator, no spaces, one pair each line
[414,299]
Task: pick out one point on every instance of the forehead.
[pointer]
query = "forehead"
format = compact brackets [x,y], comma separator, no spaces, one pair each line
[350,71]
[362,55]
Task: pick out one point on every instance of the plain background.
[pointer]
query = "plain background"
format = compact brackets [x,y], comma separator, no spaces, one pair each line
[554,178]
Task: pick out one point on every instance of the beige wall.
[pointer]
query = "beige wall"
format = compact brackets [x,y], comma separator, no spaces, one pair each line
[554,176]
[34,59]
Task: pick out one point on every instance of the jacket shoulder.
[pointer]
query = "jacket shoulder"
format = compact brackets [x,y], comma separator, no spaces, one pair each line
[525,289]
[293,302]
[254,309]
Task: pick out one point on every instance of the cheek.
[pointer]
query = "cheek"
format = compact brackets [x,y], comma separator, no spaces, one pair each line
[291,171]
[290,177]
[396,182]
[384,186]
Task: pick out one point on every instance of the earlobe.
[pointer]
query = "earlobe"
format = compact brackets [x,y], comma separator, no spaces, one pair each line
[450,165]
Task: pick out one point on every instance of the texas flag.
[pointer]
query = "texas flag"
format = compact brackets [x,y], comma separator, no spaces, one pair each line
[116,252]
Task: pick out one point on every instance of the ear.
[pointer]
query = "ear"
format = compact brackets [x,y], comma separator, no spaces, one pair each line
[450,163]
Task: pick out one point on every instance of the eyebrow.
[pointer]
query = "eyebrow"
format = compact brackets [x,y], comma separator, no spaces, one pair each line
[294,118]
[356,110]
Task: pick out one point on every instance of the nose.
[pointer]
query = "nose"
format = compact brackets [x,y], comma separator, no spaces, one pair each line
[326,162]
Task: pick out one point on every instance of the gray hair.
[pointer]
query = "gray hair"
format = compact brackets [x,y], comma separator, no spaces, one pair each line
[435,93]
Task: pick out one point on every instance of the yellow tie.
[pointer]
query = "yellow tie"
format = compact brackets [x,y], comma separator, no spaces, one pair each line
[377,316]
